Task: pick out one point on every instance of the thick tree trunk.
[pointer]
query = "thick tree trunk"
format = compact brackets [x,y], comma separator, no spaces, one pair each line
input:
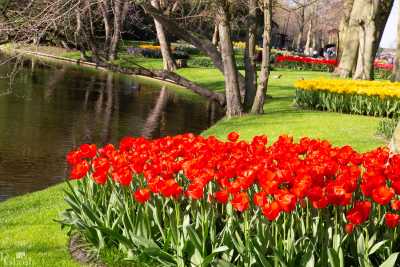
[233,103]
[366,25]
[168,61]
[120,11]
[396,69]
[343,27]
[258,105]
[250,55]
[350,44]
[371,27]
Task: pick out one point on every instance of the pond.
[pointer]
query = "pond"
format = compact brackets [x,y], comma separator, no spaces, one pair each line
[47,109]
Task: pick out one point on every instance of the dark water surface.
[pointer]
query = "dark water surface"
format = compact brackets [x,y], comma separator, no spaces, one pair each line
[47,109]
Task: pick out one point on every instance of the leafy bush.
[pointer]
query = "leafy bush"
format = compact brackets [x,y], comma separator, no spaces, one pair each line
[188,49]
[194,201]
[373,98]
[180,55]
[152,51]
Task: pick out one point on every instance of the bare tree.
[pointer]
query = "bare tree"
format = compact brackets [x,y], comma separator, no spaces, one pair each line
[250,55]
[169,63]
[258,105]
[233,103]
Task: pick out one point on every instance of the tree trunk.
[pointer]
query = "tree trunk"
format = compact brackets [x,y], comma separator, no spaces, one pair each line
[301,28]
[396,69]
[105,10]
[250,55]
[169,63]
[366,25]
[350,43]
[120,11]
[169,77]
[79,33]
[371,27]
[309,37]
[89,37]
[215,38]
[343,27]
[199,41]
[258,105]
[233,103]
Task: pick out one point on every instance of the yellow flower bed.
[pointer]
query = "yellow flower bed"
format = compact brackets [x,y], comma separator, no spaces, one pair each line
[371,88]
[242,45]
[150,47]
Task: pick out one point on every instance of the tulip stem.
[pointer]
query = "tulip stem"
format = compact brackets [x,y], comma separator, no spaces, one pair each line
[246,238]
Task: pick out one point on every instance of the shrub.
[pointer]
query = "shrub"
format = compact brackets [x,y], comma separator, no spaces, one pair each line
[188,49]
[373,98]
[153,51]
[194,201]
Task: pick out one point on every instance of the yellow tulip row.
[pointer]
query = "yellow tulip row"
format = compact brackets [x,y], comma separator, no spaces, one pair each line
[150,47]
[358,87]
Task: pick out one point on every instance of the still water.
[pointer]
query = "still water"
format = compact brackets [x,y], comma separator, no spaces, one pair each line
[46,109]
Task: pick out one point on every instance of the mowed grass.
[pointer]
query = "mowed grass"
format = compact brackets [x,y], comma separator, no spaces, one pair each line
[29,236]
[282,117]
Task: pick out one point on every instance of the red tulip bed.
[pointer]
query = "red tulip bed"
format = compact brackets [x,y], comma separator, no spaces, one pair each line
[383,70]
[305,63]
[189,200]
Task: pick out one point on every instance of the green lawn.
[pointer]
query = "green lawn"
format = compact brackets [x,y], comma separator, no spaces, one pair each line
[28,234]
[30,237]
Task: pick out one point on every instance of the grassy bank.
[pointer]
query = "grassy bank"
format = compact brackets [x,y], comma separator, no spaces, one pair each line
[28,234]
[30,237]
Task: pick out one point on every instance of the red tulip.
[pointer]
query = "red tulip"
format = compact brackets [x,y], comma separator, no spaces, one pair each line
[260,199]
[79,170]
[392,220]
[287,202]
[349,228]
[359,213]
[142,195]
[272,210]
[233,136]
[382,195]
[222,196]
[88,151]
[240,201]
[396,205]
[195,191]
